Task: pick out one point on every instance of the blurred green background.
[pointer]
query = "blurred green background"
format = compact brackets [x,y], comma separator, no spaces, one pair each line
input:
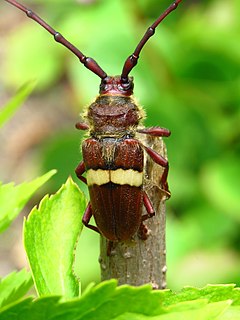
[187,79]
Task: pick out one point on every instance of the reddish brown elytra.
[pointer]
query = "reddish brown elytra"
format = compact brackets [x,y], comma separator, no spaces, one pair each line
[112,156]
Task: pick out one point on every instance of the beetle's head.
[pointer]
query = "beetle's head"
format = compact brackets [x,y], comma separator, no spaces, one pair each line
[115,86]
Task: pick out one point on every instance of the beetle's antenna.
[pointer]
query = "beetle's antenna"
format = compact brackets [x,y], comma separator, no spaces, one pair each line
[132,60]
[89,63]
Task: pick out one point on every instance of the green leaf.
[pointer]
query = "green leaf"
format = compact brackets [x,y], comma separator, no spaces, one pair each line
[18,311]
[213,293]
[232,313]
[13,198]
[14,286]
[29,309]
[50,235]
[111,301]
[106,301]
[11,107]
[197,310]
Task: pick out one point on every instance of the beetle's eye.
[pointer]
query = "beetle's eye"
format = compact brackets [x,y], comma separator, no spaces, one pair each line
[104,84]
[127,85]
[104,80]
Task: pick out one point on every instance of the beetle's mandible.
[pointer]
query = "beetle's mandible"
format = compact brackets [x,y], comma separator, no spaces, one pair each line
[113,158]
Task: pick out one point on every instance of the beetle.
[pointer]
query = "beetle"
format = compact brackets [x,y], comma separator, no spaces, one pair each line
[113,158]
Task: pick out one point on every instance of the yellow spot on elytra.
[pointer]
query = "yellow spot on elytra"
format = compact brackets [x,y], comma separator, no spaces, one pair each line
[98,177]
[119,176]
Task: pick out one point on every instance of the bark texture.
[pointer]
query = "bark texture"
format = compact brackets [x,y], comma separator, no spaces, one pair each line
[139,261]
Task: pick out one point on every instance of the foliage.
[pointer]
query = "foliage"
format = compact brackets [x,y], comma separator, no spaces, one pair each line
[50,235]
[107,301]
[14,198]
[14,287]
[8,111]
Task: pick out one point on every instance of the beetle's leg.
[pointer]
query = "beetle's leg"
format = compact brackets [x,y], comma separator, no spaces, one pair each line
[158,132]
[143,230]
[164,182]
[81,126]
[86,218]
[155,131]
[156,157]
[148,205]
[80,171]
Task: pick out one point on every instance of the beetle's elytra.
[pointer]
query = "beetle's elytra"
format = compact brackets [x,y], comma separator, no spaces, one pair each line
[113,158]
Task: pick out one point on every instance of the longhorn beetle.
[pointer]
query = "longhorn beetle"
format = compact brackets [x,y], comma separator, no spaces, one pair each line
[113,158]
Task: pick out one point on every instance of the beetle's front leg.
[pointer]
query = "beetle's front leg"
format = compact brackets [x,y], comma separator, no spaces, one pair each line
[155,131]
[158,132]
[81,126]
[80,171]
[157,158]
[86,218]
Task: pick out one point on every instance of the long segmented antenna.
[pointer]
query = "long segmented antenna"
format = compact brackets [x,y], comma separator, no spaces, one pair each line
[132,60]
[88,62]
